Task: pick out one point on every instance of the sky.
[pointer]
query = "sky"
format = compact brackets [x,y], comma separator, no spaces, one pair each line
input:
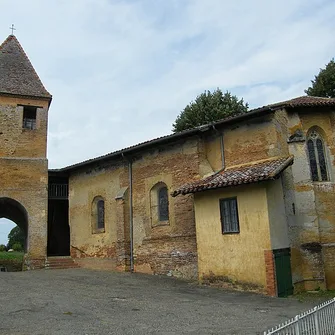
[120,71]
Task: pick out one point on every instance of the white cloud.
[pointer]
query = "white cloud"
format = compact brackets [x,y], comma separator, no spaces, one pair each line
[121,71]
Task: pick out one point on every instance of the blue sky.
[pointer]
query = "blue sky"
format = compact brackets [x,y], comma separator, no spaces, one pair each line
[121,71]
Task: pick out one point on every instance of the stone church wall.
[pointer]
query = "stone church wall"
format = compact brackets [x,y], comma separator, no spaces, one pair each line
[167,248]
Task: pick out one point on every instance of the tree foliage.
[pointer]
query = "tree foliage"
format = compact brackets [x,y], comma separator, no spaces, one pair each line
[323,84]
[209,107]
[15,236]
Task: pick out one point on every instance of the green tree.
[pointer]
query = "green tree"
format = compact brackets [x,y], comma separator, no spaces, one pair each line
[17,246]
[323,84]
[16,235]
[209,107]
[2,247]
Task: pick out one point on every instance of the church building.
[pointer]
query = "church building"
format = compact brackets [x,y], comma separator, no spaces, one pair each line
[247,202]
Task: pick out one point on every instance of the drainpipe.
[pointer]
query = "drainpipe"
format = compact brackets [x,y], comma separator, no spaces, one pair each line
[131,233]
[221,147]
[131,223]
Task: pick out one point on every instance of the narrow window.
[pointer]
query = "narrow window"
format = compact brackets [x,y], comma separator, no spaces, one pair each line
[98,215]
[316,154]
[163,204]
[101,214]
[159,205]
[29,117]
[229,216]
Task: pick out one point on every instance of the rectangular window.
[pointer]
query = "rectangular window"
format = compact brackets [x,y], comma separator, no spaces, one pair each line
[29,117]
[229,216]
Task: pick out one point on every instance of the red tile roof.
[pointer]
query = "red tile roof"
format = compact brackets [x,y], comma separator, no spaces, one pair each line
[236,175]
[304,101]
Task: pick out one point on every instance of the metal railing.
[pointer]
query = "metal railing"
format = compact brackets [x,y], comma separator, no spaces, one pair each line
[319,320]
[58,191]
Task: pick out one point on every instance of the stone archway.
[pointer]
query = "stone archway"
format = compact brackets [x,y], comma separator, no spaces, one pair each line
[14,211]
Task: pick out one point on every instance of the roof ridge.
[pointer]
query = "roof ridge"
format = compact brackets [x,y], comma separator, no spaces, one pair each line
[5,41]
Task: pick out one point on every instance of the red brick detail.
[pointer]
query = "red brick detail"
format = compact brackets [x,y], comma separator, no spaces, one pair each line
[271,285]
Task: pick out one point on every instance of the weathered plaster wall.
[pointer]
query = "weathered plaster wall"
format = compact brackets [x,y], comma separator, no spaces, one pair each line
[310,205]
[167,248]
[233,257]
[86,242]
[277,215]
[250,141]
[16,141]
[213,150]
[24,169]
[247,141]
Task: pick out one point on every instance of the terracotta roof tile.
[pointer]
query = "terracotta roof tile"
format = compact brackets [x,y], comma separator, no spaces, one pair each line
[17,75]
[237,175]
[304,101]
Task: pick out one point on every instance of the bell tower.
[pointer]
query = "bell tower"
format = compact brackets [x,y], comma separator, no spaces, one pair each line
[24,105]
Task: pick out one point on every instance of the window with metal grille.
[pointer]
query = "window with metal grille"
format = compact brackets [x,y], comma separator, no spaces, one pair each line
[229,216]
[163,204]
[317,160]
[29,117]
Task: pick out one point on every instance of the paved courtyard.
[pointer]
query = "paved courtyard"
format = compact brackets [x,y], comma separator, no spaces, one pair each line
[80,302]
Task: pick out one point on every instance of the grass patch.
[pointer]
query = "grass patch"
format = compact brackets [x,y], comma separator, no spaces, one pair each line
[14,255]
[12,261]
[318,296]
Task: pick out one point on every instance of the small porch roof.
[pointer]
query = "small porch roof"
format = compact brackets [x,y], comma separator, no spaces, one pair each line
[239,174]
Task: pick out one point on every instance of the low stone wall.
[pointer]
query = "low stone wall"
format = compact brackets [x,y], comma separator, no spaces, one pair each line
[11,265]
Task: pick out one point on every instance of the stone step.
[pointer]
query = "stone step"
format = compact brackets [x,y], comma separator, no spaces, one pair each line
[60,263]
[62,267]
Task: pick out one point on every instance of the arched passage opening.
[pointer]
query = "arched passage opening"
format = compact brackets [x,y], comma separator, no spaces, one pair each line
[14,211]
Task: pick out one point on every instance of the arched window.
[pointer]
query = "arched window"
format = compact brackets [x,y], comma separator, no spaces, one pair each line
[159,204]
[163,204]
[98,215]
[317,159]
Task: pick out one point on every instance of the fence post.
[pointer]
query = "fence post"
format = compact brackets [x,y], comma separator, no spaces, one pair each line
[316,321]
[297,327]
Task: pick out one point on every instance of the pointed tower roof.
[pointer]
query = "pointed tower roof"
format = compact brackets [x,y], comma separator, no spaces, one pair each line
[17,75]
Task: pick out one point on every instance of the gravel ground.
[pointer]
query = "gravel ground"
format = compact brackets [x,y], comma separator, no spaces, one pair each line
[80,302]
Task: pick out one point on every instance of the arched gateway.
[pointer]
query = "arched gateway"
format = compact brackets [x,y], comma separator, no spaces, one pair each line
[14,211]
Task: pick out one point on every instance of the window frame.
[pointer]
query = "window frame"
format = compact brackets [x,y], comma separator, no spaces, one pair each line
[29,118]
[155,212]
[161,217]
[315,154]
[96,215]
[224,224]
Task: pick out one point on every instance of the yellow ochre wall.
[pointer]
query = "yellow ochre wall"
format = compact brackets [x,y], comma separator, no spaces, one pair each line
[85,242]
[236,257]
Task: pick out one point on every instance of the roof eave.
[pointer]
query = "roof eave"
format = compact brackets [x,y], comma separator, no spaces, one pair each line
[132,150]
[26,96]
[275,175]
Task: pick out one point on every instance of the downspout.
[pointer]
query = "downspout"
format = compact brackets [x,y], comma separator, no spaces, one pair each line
[222,151]
[221,147]
[131,223]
